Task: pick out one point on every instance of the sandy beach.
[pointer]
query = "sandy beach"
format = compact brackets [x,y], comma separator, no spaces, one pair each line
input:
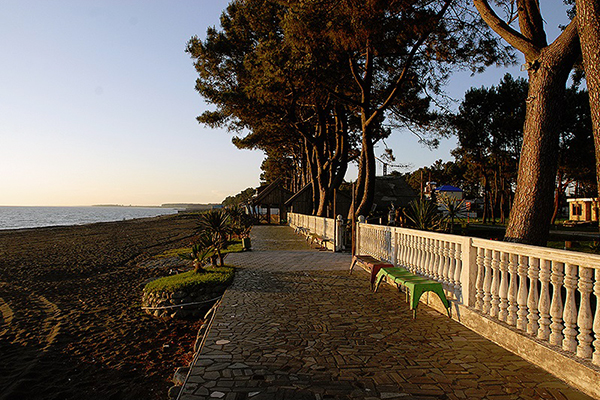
[70,320]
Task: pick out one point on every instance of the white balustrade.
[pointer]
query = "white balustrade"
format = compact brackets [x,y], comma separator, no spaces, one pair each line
[552,295]
[325,227]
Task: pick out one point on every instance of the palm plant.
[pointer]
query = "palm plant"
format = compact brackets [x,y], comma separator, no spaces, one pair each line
[201,251]
[424,214]
[216,224]
[453,209]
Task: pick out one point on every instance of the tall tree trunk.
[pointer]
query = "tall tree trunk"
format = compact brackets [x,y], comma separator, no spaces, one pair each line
[531,212]
[366,193]
[588,26]
[548,67]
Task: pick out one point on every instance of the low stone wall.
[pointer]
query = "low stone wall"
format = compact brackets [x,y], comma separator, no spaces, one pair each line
[181,304]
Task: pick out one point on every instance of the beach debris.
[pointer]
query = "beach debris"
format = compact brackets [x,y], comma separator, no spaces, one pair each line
[173,392]
[180,375]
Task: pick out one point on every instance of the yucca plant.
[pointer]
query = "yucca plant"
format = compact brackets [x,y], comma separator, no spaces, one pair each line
[424,214]
[202,250]
[216,224]
[454,209]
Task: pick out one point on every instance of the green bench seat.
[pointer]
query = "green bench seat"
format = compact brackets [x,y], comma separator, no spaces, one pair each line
[414,284]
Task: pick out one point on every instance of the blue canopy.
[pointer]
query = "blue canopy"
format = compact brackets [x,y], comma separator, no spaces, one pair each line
[448,188]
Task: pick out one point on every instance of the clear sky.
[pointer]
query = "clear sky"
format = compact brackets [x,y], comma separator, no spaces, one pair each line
[97,106]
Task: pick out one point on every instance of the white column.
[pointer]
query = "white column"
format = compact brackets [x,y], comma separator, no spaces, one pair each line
[469,271]
[585,320]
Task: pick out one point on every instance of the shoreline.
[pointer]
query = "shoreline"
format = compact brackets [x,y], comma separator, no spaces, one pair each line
[121,218]
[70,321]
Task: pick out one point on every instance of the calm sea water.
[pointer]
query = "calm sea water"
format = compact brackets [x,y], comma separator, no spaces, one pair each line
[33,217]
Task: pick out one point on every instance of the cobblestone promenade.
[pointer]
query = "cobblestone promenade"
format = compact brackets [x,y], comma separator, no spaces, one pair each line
[296,325]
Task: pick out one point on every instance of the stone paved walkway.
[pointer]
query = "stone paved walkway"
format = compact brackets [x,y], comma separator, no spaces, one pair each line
[296,325]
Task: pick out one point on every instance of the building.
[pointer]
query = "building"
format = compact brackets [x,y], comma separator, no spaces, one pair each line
[449,190]
[583,209]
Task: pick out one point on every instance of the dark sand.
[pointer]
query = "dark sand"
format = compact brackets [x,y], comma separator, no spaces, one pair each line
[70,320]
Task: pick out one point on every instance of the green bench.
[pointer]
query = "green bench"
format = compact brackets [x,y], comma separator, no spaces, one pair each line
[414,284]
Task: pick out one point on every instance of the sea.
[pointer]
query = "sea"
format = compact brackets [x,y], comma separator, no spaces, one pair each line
[34,217]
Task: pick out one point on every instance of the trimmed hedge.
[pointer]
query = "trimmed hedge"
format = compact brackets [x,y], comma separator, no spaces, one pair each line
[187,281]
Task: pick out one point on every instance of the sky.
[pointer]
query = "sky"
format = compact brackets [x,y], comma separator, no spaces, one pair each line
[97,106]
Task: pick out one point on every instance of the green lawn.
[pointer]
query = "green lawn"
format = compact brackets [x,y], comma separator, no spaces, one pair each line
[188,280]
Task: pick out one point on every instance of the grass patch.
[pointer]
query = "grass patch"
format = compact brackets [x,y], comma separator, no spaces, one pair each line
[581,246]
[235,246]
[189,280]
[174,253]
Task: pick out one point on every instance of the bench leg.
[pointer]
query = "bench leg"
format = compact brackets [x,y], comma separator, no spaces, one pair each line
[418,292]
[378,283]
[352,264]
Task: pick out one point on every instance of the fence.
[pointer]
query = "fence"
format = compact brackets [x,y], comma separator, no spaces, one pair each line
[551,295]
[327,228]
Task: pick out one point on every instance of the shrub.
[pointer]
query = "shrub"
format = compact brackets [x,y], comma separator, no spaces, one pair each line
[187,281]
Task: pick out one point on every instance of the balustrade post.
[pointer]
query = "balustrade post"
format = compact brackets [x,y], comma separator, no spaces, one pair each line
[469,271]
[412,254]
[447,281]
[522,293]
[495,301]
[338,241]
[361,220]
[511,318]
[596,326]
[584,319]
[503,293]
[458,266]
[556,308]
[533,298]
[570,311]
[544,304]
[479,281]
[487,281]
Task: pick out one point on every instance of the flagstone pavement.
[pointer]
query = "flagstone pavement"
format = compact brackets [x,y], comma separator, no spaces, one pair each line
[296,325]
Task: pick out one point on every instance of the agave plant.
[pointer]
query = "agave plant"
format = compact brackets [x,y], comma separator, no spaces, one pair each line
[424,214]
[216,224]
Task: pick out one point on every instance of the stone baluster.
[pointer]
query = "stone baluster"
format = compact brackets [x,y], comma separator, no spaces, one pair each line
[513,306]
[428,259]
[414,253]
[487,281]
[544,303]
[570,311]
[458,266]
[409,251]
[503,293]
[556,307]
[439,260]
[431,273]
[421,255]
[402,249]
[479,280]
[451,267]
[585,318]
[425,264]
[495,285]
[522,293]
[596,326]
[447,282]
[533,299]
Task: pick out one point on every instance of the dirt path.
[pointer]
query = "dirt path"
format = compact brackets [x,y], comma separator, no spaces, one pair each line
[70,319]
